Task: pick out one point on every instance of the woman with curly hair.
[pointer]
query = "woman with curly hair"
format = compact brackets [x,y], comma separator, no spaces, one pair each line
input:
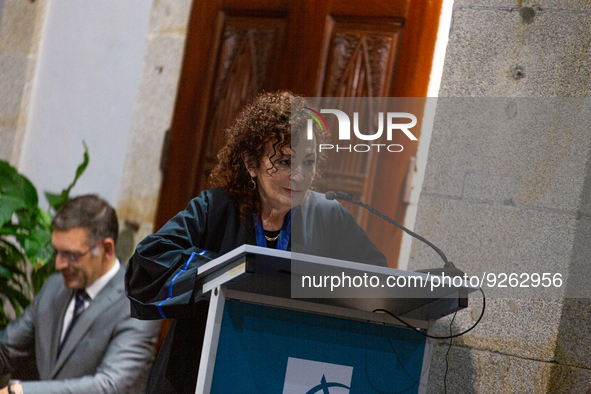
[260,193]
[266,167]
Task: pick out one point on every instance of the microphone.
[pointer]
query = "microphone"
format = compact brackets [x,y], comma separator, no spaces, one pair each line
[330,196]
[448,268]
[340,196]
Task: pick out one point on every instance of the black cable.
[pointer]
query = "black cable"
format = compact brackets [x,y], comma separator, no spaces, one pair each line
[447,264]
[417,330]
[349,197]
[447,353]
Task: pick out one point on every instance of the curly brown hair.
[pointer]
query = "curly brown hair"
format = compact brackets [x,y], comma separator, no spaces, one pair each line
[276,118]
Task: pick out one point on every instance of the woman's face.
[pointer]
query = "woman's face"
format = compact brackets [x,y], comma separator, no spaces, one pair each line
[285,186]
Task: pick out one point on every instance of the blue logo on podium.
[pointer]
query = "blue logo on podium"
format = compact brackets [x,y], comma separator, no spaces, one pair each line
[322,388]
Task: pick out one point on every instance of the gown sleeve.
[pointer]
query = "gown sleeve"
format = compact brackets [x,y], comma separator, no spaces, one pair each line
[160,276]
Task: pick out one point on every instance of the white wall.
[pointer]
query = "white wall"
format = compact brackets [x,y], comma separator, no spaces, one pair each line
[85,87]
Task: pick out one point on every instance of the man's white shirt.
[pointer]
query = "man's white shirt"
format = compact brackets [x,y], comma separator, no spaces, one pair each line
[92,291]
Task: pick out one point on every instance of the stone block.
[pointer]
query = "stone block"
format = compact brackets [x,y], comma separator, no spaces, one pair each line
[481,237]
[153,112]
[569,379]
[573,345]
[18,27]
[7,134]
[497,239]
[586,205]
[486,4]
[574,340]
[580,267]
[559,5]
[474,371]
[586,192]
[482,372]
[487,45]
[542,144]
[170,17]
[13,72]
[486,186]
[516,327]
[516,5]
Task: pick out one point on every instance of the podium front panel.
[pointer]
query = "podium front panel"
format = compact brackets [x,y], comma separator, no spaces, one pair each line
[265,349]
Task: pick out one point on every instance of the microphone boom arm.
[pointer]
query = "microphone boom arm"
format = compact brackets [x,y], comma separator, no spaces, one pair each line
[349,197]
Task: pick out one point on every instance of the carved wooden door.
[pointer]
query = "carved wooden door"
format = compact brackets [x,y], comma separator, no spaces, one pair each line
[237,49]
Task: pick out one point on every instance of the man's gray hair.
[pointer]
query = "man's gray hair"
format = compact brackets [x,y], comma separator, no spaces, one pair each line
[90,212]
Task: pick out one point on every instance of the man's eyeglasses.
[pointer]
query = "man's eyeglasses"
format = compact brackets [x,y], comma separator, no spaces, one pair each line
[73,257]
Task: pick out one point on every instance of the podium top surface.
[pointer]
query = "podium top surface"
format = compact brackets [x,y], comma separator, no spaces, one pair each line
[291,275]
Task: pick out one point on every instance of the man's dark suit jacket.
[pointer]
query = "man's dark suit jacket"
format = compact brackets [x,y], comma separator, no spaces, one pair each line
[107,350]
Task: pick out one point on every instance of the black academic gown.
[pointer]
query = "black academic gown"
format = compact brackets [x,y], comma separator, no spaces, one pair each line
[161,274]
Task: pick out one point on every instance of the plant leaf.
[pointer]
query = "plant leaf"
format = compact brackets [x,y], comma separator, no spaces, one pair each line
[27,217]
[37,247]
[15,297]
[39,275]
[14,184]
[16,193]
[8,230]
[11,254]
[26,242]
[5,272]
[57,200]
[10,262]
[44,218]
[81,167]
[8,206]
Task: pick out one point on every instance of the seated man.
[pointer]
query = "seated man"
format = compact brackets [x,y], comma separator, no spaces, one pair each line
[79,326]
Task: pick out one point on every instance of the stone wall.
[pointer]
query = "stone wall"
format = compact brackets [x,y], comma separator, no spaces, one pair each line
[153,112]
[20,33]
[513,198]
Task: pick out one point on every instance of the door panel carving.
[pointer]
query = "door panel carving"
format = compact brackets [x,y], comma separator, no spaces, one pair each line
[360,60]
[248,49]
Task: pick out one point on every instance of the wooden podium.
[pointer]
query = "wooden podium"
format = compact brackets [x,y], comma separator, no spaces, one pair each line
[258,339]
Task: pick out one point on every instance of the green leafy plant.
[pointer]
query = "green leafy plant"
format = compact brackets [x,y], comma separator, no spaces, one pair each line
[26,255]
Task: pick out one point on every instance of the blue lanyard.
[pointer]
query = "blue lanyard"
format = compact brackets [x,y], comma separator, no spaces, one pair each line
[284,234]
